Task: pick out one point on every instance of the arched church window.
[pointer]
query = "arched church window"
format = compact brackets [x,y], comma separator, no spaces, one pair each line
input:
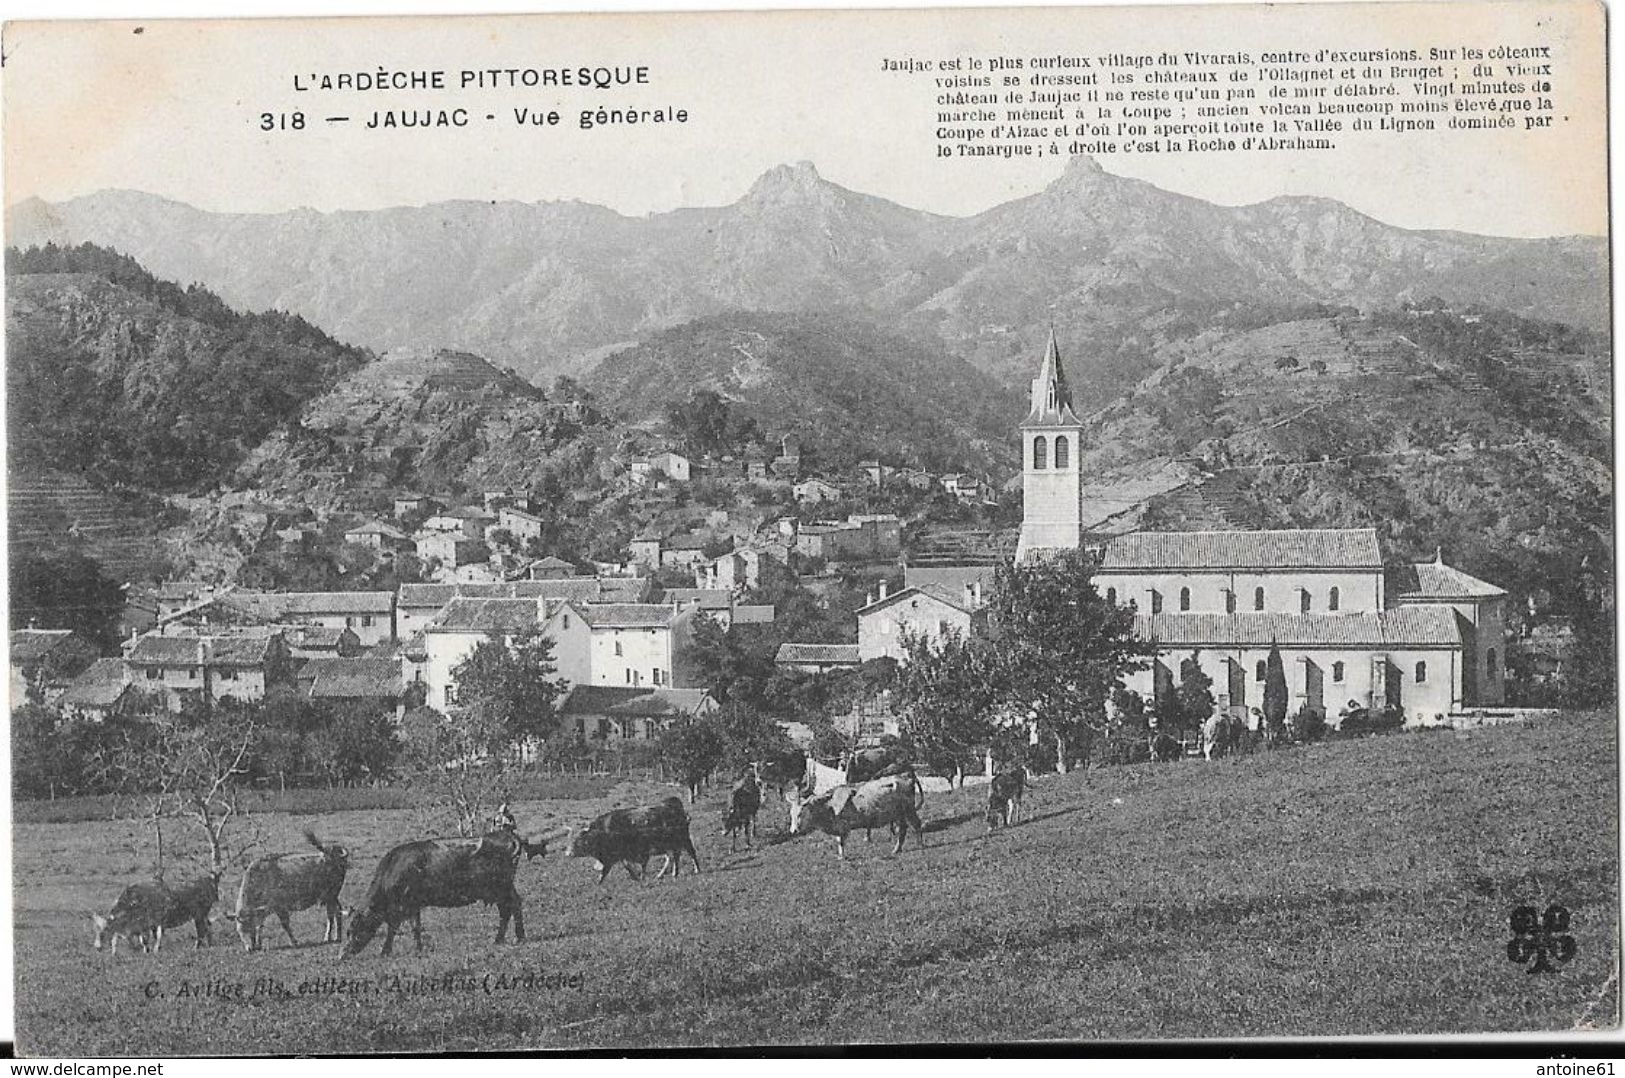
[1111,596]
[1489,664]
[1052,398]
[1421,672]
[1060,451]
[1337,671]
[1156,602]
[1258,598]
[1260,671]
[1040,453]
[1229,601]
[1184,598]
[1334,599]
[1303,601]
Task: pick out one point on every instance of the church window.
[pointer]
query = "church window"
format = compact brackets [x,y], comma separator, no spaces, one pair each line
[1260,671]
[1184,598]
[1337,671]
[1040,454]
[1421,672]
[1258,598]
[1303,601]
[1489,663]
[617,647]
[1061,451]
[1334,599]
[1229,601]
[1111,596]
[1156,601]
[1052,397]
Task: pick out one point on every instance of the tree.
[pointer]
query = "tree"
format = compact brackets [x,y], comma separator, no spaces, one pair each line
[1060,648]
[693,748]
[1275,692]
[1193,698]
[506,694]
[948,695]
[747,734]
[66,590]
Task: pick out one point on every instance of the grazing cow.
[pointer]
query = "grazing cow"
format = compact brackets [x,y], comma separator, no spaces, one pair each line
[781,771]
[632,836]
[444,873]
[284,883]
[1004,797]
[144,910]
[744,801]
[890,801]
[1165,748]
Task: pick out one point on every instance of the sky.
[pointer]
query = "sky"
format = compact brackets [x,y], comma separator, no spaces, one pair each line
[175,110]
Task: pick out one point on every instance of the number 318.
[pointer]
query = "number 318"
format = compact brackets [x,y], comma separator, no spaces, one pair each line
[282,121]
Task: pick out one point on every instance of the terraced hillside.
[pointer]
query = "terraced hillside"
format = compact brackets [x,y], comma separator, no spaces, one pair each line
[49,511]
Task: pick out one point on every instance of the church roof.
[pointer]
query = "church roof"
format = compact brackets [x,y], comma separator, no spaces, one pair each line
[1325,548]
[1051,409]
[1415,626]
[1436,580]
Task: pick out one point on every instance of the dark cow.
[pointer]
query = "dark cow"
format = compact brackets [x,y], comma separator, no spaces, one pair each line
[144,910]
[744,801]
[443,873]
[866,764]
[284,883]
[1165,749]
[632,836]
[891,801]
[1004,797]
[784,770]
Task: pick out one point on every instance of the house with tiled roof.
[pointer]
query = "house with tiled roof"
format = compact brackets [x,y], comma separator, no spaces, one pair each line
[44,661]
[1426,638]
[623,644]
[377,682]
[379,536]
[419,604]
[99,693]
[928,612]
[618,712]
[461,626]
[817,658]
[370,614]
[209,668]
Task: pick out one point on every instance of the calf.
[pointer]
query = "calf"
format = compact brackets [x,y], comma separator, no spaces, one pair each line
[632,836]
[144,910]
[744,801]
[891,801]
[1004,797]
[443,873]
[280,884]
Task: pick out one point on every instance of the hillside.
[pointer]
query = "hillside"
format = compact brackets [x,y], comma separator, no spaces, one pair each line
[547,286]
[849,390]
[115,374]
[1349,888]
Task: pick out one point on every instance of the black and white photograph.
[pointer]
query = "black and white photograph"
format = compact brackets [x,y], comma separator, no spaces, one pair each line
[786,530]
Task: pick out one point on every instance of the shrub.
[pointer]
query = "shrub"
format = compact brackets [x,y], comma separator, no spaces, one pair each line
[1308,724]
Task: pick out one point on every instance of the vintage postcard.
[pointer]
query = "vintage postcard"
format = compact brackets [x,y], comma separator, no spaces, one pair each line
[810,528]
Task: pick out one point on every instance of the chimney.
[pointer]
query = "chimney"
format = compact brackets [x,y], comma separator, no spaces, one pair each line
[883,586]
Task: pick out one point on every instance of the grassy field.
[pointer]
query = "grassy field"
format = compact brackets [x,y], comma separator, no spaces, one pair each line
[1349,888]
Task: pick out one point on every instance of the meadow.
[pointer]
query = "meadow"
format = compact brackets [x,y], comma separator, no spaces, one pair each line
[1353,887]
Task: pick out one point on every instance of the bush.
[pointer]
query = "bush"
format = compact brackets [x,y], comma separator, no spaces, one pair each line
[1364,721]
[1308,724]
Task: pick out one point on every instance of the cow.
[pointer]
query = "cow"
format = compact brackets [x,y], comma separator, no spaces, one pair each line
[890,801]
[444,873]
[280,884]
[744,801]
[865,764]
[1223,735]
[1004,797]
[632,836]
[144,910]
[1165,749]
[783,770]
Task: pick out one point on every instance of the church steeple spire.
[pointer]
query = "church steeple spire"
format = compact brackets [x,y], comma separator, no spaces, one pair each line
[1051,395]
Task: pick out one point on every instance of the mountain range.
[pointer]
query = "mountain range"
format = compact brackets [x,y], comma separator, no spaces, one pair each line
[552,287]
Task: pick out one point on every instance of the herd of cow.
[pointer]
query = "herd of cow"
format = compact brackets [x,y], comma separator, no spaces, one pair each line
[453,872]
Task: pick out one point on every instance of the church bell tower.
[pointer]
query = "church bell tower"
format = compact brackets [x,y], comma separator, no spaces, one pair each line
[1052,486]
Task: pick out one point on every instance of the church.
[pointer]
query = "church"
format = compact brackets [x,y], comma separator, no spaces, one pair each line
[1424,637]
